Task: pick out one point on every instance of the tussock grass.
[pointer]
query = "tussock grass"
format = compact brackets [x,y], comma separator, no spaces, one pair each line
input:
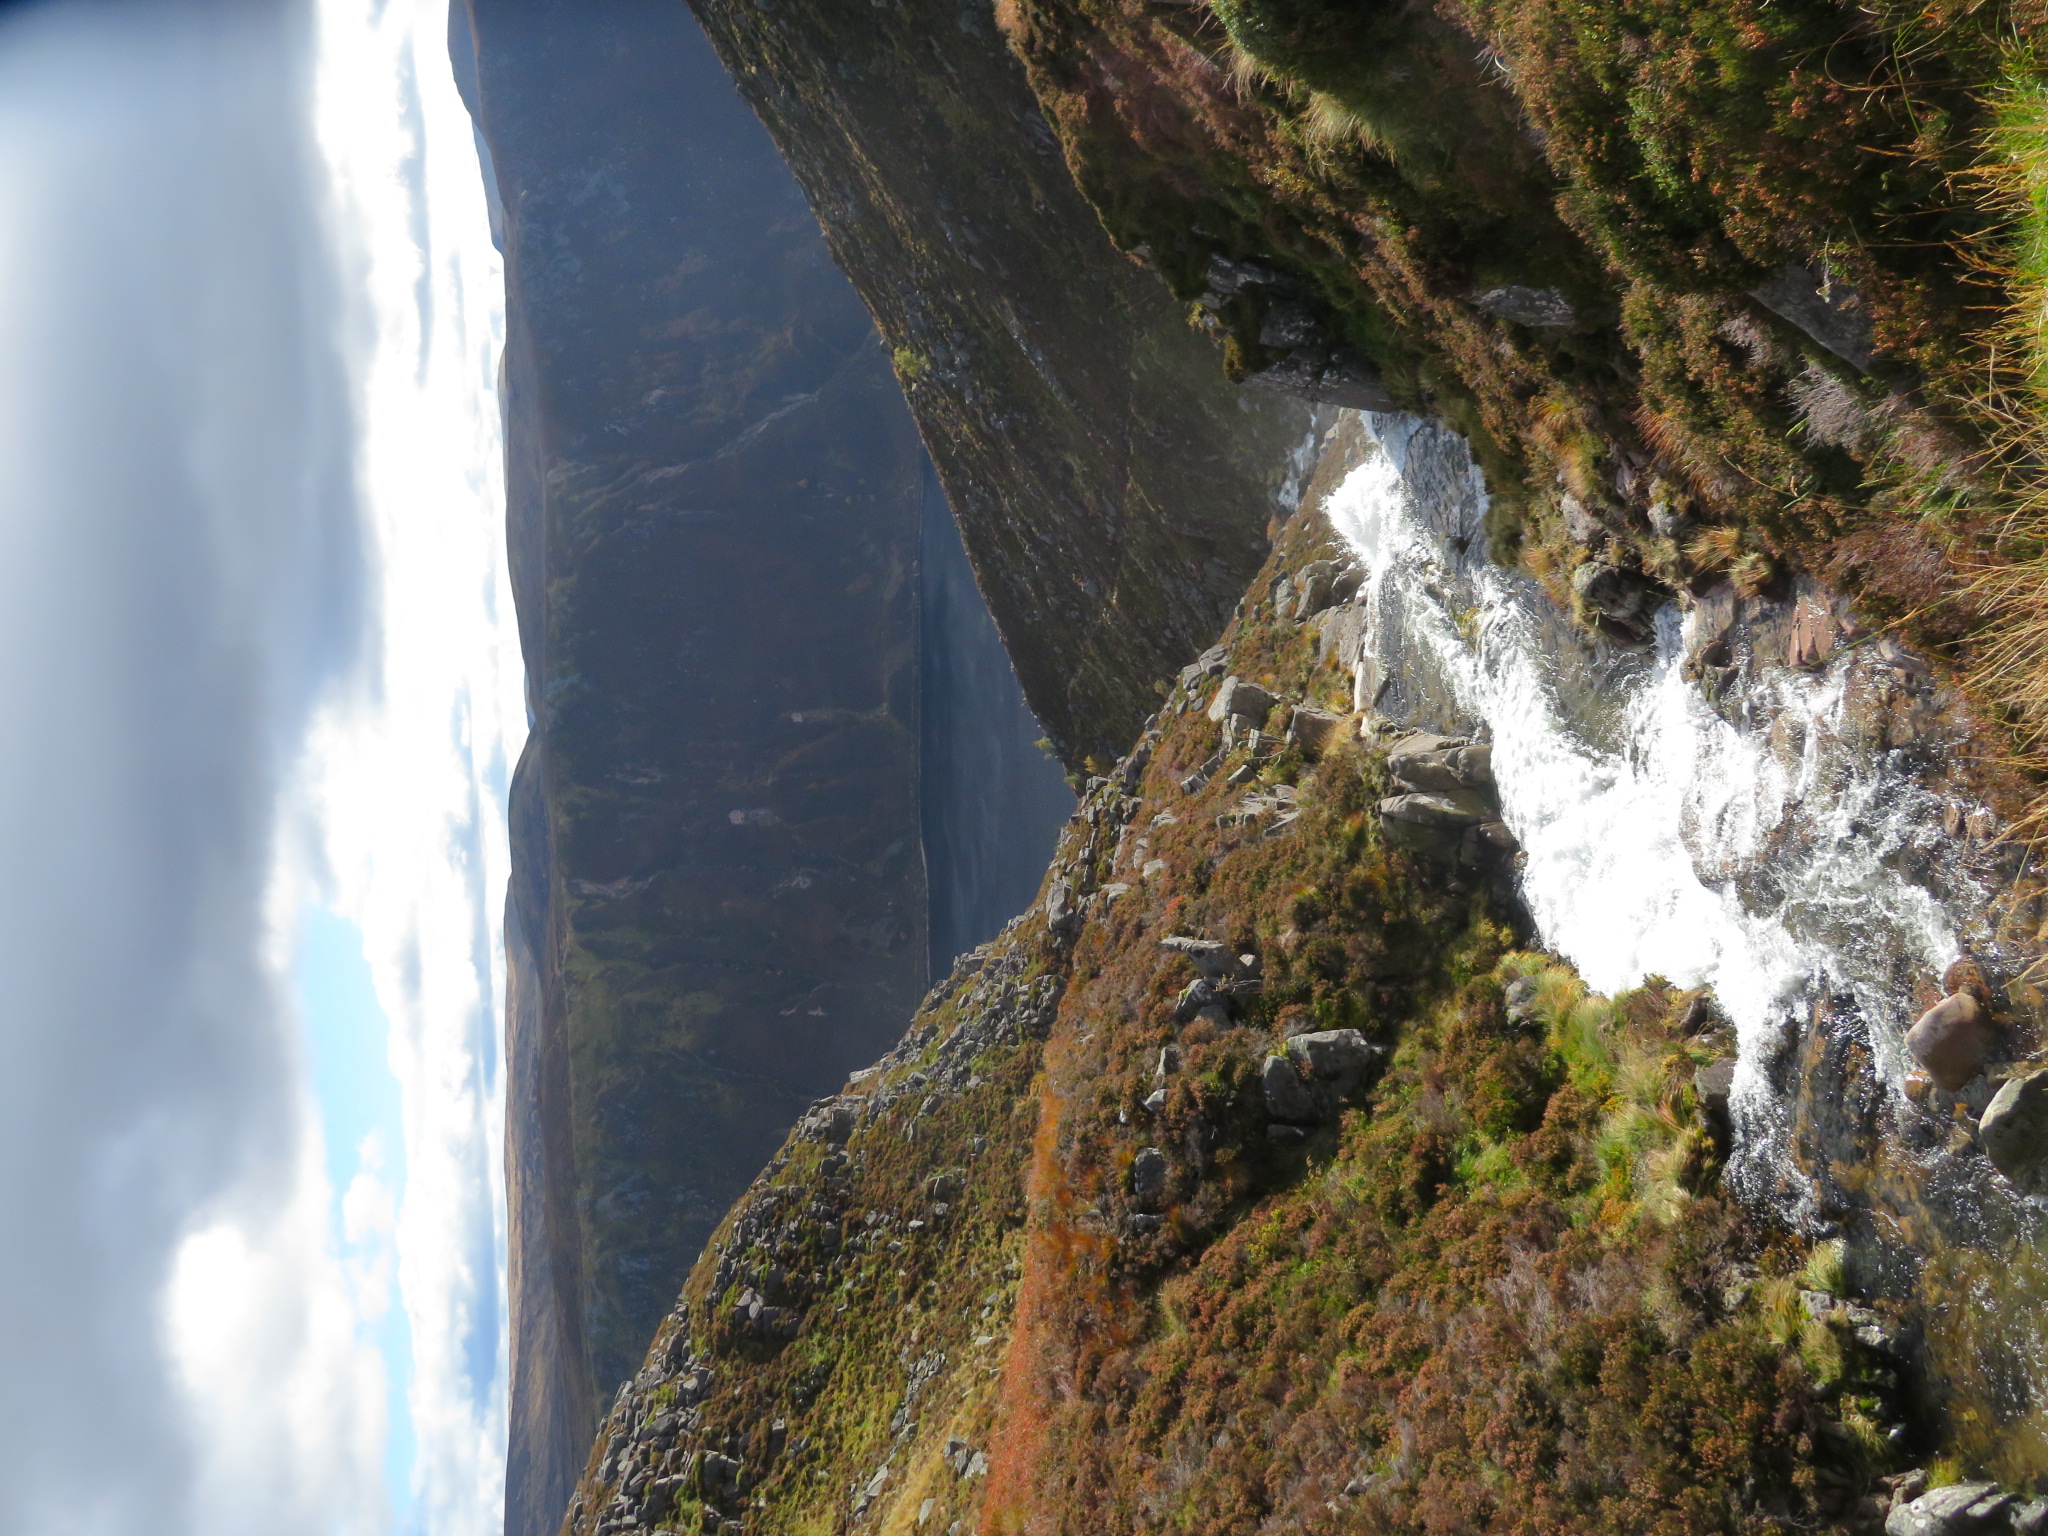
[2013,178]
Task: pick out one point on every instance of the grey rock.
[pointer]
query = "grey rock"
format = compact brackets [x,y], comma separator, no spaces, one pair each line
[1951,1040]
[1312,730]
[1327,376]
[1339,1056]
[1287,1096]
[2029,1519]
[1148,1176]
[1155,1101]
[2014,1132]
[1197,995]
[1951,1511]
[1712,1085]
[1540,308]
[1519,998]
[829,1121]
[1425,761]
[1313,584]
[1211,958]
[1246,703]
[1438,810]
[1831,313]
[1618,599]
[871,1492]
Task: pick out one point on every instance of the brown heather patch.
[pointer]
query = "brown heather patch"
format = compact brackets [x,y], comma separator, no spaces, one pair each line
[1490,1298]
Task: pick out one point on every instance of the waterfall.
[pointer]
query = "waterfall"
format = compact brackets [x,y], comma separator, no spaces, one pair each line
[1757,849]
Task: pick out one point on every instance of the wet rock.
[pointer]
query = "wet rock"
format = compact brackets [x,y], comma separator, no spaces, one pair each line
[1619,601]
[1312,730]
[1814,632]
[1148,1177]
[1951,1040]
[1960,1509]
[1246,704]
[2014,1132]
[1287,1097]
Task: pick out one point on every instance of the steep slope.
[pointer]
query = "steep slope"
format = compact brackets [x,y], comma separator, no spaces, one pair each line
[721,525]
[1112,489]
[1712,288]
[1262,1177]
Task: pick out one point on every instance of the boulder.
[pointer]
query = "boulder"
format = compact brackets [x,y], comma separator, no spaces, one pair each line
[1437,825]
[829,1121]
[1538,308]
[1312,730]
[1440,763]
[1340,1057]
[1619,601]
[1245,703]
[2014,1132]
[1148,1177]
[1961,1509]
[1210,957]
[1194,998]
[1712,1085]
[1287,1096]
[1445,810]
[1312,588]
[1519,998]
[1951,1040]
[1209,664]
[1062,915]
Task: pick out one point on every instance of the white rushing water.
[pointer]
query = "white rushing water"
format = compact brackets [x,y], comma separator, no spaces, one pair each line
[1776,863]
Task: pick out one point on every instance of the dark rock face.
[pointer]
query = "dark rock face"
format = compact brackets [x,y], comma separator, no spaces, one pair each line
[1112,487]
[730,565]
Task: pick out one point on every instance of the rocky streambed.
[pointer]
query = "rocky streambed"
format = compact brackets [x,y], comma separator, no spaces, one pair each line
[1750,792]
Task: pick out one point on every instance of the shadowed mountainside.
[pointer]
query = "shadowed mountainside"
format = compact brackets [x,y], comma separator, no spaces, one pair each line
[729,573]
[1112,488]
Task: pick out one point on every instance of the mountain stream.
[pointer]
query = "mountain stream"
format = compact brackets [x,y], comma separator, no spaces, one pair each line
[1759,845]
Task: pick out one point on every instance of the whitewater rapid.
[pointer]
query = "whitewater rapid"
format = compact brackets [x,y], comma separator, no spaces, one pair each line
[1659,838]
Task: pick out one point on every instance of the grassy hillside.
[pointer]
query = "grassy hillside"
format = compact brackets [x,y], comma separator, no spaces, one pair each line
[1715,289]
[1020,1278]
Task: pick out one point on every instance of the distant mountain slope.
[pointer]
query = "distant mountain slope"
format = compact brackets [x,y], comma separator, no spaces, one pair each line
[721,523]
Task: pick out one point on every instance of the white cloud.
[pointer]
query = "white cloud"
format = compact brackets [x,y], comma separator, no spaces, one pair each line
[255,647]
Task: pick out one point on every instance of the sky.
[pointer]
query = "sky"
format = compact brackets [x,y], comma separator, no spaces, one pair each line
[259,700]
